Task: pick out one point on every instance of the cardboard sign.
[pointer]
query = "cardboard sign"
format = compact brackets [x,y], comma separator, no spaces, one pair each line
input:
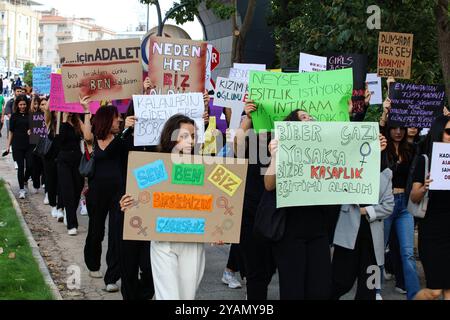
[38,128]
[232,94]
[327,163]
[440,167]
[217,112]
[210,145]
[374,84]
[415,105]
[153,111]
[109,69]
[41,79]
[184,198]
[324,95]
[312,63]
[177,65]
[358,63]
[57,100]
[395,55]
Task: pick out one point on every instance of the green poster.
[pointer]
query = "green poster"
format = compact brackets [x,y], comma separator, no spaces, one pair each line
[192,174]
[320,163]
[324,95]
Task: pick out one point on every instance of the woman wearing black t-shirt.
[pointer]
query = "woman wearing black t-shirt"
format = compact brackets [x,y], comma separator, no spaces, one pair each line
[434,229]
[71,132]
[19,140]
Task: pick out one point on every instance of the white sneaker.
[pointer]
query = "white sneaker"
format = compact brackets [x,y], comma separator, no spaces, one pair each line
[112,287]
[83,210]
[72,232]
[378,297]
[230,279]
[46,198]
[65,218]
[15,165]
[34,191]
[22,194]
[400,290]
[60,215]
[96,274]
[54,212]
[387,276]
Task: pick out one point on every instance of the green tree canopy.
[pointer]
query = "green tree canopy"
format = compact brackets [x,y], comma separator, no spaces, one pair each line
[28,73]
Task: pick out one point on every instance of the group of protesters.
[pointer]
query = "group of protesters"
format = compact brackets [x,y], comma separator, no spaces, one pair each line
[321,250]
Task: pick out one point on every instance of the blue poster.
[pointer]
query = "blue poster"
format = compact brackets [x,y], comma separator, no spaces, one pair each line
[41,79]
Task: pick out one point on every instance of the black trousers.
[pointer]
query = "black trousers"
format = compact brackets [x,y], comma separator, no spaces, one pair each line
[257,259]
[350,265]
[235,259]
[71,184]
[102,200]
[51,180]
[37,175]
[304,267]
[23,157]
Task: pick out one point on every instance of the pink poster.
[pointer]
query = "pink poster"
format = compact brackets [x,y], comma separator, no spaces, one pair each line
[57,101]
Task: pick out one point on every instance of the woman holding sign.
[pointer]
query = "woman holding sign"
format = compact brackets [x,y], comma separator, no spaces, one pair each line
[302,255]
[434,229]
[71,182]
[19,140]
[177,267]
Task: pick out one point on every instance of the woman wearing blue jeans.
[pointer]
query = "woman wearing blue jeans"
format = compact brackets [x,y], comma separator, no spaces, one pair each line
[400,155]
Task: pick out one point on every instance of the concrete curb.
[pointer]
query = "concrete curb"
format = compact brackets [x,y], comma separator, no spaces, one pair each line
[34,247]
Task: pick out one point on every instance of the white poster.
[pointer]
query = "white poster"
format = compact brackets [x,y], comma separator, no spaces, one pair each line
[231,93]
[152,112]
[208,84]
[374,84]
[440,166]
[250,66]
[311,63]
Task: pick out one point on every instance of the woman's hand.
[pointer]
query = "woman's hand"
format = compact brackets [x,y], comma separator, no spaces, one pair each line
[85,103]
[206,99]
[367,95]
[130,121]
[446,112]
[363,211]
[250,107]
[386,106]
[148,85]
[273,148]
[426,185]
[126,202]
[205,117]
[383,142]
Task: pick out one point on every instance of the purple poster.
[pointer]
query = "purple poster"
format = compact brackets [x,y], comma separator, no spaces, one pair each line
[217,112]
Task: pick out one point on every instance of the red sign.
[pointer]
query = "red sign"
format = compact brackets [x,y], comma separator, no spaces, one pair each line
[215,59]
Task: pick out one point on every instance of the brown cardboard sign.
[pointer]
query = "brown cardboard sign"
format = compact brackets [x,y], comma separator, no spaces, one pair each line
[395,54]
[177,65]
[184,198]
[109,69]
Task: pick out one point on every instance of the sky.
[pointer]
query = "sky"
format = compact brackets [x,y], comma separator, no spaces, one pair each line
[117,15]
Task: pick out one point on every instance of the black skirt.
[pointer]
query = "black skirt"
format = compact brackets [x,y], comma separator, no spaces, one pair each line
[434,249]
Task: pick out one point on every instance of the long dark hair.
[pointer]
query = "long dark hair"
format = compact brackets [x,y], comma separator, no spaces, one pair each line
[405,150]
[293,116]
[21,98]
[435,134]
[174,123]
[102,123]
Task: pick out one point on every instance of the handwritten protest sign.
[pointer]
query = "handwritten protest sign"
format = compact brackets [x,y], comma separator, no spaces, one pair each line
[374,85]
[395,54]
[311,63]
[358,63]
[217,112]
[38,128]
[232,94]
[241,71]
[184,198]
[440,166]
[415,105]
[57,100]
[324,95]
[153,111]
[109,69]
[327,163]
[177,65]
[41,79]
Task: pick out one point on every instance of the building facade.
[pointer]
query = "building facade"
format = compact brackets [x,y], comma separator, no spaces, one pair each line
[56,30]
[19,29]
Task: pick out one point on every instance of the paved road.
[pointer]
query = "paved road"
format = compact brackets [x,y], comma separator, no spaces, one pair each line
[63,252]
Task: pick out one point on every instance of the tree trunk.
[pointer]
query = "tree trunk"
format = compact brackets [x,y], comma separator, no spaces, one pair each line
[240,35]
[443,27]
